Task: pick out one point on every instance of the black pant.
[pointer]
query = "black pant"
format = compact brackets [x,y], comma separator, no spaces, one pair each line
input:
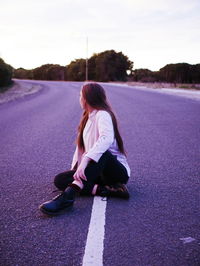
[107,171]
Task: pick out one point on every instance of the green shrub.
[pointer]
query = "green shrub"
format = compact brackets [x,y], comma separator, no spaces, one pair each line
[5,74]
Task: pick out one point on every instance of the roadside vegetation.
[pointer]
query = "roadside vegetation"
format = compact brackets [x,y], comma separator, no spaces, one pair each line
[105,66]
[6,72]
[172,73]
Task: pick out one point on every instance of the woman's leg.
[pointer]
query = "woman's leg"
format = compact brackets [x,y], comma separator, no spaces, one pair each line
[114,172]
[66,199]
[109,167]
[62,180]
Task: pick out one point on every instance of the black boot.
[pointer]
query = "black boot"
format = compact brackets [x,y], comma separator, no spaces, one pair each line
[60,203]
[116,190]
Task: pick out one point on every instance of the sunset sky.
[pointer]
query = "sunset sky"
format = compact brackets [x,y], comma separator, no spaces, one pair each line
[151,33]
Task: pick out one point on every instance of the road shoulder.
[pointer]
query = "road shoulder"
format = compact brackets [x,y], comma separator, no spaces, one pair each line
[18,90]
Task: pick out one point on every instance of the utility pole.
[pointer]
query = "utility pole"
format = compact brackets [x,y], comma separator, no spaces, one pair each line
[86,61]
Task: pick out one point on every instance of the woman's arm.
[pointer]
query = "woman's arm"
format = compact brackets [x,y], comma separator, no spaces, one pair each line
[80,172]
[104,141]
[106,136]
[74,159]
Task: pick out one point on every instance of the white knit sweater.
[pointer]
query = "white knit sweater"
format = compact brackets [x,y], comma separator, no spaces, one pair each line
[98,137]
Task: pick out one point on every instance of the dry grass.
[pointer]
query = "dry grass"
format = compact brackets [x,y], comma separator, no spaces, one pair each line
[159,85]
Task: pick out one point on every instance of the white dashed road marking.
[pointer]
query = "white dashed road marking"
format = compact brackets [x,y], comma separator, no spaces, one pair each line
[95,239]
[187,239]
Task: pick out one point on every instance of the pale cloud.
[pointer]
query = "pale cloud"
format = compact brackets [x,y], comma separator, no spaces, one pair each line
[151,34]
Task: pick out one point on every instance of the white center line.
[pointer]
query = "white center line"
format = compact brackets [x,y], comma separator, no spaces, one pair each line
[95,239]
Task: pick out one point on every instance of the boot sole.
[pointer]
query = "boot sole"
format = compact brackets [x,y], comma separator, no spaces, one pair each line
[55,213]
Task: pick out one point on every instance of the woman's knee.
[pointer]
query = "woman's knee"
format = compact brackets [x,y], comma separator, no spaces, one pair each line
[58,181]
[125,180]
[62,180]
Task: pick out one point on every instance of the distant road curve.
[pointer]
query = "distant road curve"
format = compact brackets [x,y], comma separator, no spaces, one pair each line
[22,88]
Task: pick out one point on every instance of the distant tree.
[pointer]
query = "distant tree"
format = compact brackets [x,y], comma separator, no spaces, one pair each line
[173,73]
[40,73]
[195,73]
[92,67]
[144,75]
[76,70]
[5,73]
[105,66]
[49,72]
[56,72]
[109,66]
[21,73]
[179,73]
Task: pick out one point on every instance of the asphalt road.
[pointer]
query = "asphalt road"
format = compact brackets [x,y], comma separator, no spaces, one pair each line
[159,225]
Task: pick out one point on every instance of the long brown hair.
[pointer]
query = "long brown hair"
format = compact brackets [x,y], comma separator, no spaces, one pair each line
[95,96]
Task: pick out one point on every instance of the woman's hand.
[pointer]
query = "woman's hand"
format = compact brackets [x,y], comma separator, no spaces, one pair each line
[80,172]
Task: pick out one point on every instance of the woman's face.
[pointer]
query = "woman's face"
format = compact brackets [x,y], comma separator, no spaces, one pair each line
[82,101]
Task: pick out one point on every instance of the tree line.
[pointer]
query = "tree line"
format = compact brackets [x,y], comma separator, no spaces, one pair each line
[172,73]
[6,73]
[105,66]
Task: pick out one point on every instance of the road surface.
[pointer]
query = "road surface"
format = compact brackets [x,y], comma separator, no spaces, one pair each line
[159,225]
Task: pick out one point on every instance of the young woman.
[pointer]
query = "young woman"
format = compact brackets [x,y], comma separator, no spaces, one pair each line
[99,165]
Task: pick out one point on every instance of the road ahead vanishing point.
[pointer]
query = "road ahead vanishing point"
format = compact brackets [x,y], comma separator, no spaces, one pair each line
[158,225]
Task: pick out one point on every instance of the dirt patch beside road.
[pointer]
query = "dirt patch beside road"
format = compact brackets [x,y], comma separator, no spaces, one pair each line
[167,88]
[160,85]
[18,90]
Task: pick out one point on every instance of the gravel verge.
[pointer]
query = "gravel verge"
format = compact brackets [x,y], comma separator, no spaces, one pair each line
[166,88]
[18,90]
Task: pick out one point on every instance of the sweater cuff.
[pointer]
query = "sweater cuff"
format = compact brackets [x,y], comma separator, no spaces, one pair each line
[93,156]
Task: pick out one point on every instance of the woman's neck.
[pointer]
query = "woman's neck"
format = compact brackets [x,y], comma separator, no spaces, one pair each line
[90,109]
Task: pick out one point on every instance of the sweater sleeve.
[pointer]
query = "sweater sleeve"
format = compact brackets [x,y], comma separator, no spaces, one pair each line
[106,136]
[75,158]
